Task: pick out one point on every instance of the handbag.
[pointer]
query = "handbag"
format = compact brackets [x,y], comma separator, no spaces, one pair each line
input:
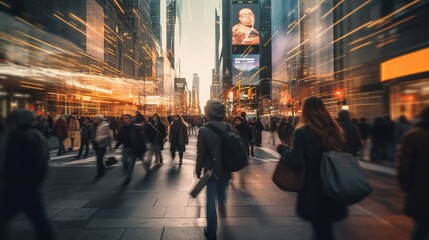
[342,178]
[287,178]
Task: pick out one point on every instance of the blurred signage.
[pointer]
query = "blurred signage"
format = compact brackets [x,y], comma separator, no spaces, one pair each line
[408,64]
[180,84]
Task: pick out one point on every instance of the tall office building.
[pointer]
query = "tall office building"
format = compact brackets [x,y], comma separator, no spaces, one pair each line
[196,85]
[155,14]
[171,25]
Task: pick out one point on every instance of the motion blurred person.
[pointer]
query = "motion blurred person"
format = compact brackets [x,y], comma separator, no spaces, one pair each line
[61,132]
[73,131]
[43,127]
[273,129]
[351,133]
[178,137]
[316,133]
[413,166]
[100,142]
[209,157]
[155,133]
[365,131]
[244,130]
[125,137]
[259,128]
[23,168]
[86,132]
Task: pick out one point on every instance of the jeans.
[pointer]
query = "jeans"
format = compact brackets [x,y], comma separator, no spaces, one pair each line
[128,161]
[421,230]
[61,148]
[215,189]
[322,230]
[100,152]
[31,204]
[83,145]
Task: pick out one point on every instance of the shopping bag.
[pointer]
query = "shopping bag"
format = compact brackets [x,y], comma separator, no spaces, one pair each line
[287,178]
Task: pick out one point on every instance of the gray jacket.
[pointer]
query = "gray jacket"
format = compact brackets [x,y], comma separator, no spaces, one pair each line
[209,151]
[102,135]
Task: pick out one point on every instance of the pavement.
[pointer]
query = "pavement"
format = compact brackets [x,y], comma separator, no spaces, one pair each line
[157,204]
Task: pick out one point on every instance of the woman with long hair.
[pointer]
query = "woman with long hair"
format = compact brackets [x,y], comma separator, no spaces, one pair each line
[178,137]
[316,133]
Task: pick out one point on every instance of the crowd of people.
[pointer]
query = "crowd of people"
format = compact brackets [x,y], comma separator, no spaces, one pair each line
[23,141]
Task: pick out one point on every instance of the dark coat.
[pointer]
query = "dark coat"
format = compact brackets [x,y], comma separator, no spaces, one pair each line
[312,204]
[413,160]
[60,128]
[151,133]
[26,160]
[178,136]
[352,136]
[209,151]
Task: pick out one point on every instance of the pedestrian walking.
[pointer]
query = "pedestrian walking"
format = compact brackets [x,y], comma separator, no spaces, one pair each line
[178,137]
[243,129]
[43,127]
[61,132]
[259,128]
[209,157]
[24,157]
[273,129]
[132,139]
[365,131]
[316,133]
[351,133]
[73,131]
[377,139]
[156,134]
[86,131]
[100,142]
[413,166]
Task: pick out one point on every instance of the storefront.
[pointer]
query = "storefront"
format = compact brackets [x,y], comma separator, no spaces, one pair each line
[407,79]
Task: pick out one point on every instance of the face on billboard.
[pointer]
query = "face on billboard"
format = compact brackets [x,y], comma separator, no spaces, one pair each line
[245,68]
[245,31]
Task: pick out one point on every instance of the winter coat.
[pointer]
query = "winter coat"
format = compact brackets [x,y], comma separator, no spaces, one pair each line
[413,167]
[43,128]
[151,133]
[60,128]
[26,160]
[102,135]
[312,204]
[178,136]
[352,136]
[209,151]
[74,129]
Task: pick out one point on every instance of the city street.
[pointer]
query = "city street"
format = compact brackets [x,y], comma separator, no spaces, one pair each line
[158,205]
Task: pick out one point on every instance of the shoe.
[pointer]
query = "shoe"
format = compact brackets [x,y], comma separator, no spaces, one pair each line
[180,163]
[127,180]
[206,234]
[76,157]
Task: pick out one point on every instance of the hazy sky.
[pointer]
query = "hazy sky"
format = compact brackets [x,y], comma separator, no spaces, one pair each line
[196,49]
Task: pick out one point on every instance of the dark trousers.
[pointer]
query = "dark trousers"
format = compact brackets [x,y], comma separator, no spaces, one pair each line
[30,203]
[61,148]
[421,230]
[322,230]
[216,190]
[100,152]
[83,144]
[173,154]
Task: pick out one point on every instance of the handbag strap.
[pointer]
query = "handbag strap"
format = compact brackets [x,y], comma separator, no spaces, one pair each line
[154,128]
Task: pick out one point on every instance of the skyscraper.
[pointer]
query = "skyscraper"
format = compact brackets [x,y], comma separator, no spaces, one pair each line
[171,24]
[155,14]
[196,85]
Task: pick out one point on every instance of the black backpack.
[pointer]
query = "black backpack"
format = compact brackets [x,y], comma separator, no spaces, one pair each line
[234,150]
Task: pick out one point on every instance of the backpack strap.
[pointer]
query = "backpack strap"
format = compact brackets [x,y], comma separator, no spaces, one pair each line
[214,129]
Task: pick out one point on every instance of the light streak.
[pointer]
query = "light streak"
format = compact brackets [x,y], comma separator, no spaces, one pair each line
[71,25]
[342,19]
[395,12]
[360,46]
[119,6]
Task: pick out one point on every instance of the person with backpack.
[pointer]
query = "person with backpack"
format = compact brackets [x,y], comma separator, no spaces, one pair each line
[413,165]
[178,137]
[24,157]
[316,133]
[209,157]
[243,129]
[43,127]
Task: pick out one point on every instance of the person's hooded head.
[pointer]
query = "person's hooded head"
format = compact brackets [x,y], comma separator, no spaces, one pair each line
[215,110]
[21,118]
[343,116]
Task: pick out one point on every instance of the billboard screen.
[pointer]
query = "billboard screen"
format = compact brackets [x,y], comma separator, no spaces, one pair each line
[245,30]
[245,68]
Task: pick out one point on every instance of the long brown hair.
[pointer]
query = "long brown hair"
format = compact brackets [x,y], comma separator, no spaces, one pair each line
[317,118]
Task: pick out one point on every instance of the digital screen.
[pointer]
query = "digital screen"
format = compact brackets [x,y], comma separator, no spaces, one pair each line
[245,30]
[245,68]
